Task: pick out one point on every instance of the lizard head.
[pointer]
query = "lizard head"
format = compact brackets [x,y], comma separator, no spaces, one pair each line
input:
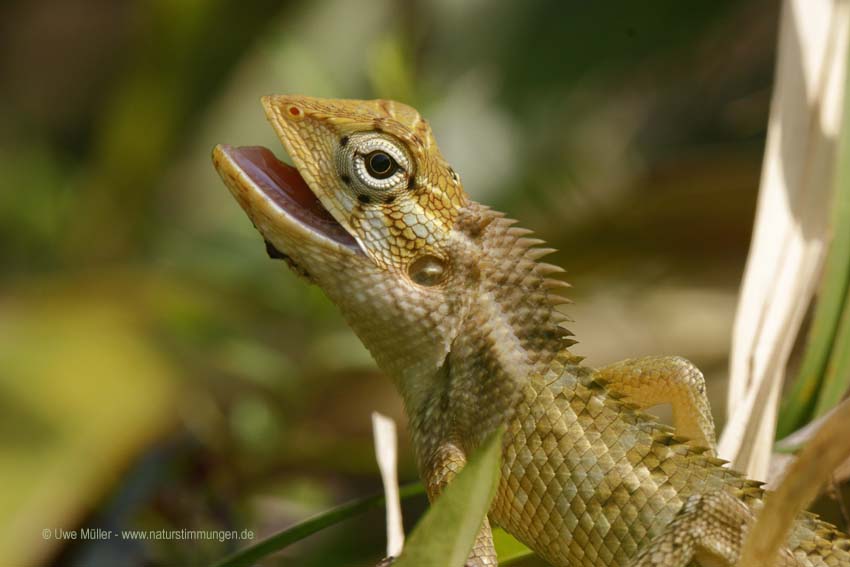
[375,216]
[367,214]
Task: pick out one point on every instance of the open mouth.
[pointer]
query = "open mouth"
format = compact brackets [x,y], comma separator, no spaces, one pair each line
[284,186]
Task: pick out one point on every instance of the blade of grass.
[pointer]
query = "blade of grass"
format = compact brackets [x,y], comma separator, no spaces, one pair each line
[810,396]
[811,470]
[445,535]
[792,225]
[836,381]
[508,548]
[385,451]
[255,552]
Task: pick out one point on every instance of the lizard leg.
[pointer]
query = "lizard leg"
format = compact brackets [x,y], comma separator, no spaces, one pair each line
[654,380]
[439,471]
[709,530]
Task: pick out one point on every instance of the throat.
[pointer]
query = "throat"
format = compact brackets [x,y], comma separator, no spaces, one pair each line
[488,368]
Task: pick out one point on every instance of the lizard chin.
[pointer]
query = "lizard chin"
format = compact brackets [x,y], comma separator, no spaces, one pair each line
[283,186]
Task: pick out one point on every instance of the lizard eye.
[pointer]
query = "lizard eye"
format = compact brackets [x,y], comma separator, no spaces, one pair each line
[376,162]
[380,165]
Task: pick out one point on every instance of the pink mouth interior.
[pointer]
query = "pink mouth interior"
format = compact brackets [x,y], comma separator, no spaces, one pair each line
[284,185]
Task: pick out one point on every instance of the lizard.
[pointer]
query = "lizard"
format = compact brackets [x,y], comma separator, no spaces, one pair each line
[457,307]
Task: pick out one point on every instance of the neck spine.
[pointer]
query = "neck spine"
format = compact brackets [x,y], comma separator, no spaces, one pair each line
[517,290]
[512,332]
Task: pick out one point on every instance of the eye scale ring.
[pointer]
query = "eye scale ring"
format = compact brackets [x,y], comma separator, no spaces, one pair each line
[377,164]
[361,171]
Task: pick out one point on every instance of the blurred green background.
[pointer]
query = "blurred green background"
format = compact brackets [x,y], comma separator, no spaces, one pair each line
[158,371]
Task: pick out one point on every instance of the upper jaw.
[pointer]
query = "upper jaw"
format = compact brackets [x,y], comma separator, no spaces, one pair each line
[283,207]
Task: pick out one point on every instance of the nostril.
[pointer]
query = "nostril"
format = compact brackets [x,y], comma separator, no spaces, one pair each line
[294,111]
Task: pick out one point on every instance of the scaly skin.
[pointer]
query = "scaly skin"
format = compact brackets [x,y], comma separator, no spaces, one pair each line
[454,304]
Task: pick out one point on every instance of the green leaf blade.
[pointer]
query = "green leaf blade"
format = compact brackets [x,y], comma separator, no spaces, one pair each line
[263,548]
[445,535]
[508,548]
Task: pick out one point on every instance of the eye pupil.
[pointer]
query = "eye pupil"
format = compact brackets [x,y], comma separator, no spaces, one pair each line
[380,165]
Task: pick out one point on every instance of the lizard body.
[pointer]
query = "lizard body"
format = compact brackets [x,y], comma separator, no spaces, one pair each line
[456,307]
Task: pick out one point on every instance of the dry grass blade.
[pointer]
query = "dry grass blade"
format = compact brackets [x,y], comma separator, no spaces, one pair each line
[805,477]
[784,458]
[792,223]
[385,451]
